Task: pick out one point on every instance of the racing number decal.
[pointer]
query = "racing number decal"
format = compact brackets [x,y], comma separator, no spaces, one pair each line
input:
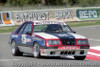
[24,38]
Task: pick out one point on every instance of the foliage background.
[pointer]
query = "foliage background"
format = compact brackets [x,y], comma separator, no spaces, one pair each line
[11,5]
[77,3]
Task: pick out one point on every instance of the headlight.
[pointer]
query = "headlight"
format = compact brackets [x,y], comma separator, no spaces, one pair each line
[53,42]
[82,42]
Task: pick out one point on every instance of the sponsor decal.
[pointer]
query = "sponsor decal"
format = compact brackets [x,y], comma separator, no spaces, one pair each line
[42,51]
[35,38]
[24,38]
[88,14]
[39,40]
[14,35]
[49,22]
[28,40]
[69,47]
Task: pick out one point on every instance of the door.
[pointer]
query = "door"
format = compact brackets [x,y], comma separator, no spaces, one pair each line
[26,38]
[20,31]
[26,34]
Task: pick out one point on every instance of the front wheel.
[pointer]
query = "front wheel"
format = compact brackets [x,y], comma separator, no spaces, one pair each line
[79,57]
[14,50]
[36,50]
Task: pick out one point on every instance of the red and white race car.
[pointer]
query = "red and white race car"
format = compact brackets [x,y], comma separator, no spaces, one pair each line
[48,38]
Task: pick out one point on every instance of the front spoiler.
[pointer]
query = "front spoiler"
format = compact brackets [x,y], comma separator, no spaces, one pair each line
[63,52]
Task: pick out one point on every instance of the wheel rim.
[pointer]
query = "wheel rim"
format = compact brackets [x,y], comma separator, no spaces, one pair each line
[13,48]
[36,50]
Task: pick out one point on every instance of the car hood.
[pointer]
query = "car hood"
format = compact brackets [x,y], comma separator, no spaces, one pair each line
[60,35]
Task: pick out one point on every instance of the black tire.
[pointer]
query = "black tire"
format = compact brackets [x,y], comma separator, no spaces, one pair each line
[36,50]
[79,57]
[14,49]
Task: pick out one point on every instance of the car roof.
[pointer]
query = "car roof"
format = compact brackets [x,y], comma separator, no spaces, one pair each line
[46,22]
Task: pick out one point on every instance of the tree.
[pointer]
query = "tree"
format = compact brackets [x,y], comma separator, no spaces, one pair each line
[42,1]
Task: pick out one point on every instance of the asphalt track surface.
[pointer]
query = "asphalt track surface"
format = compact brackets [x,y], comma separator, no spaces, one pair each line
[7,60]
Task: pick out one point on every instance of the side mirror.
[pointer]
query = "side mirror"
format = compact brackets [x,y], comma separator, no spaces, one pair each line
[74,31]
[28,33]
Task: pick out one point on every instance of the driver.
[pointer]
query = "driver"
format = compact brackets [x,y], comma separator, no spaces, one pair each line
[53,28]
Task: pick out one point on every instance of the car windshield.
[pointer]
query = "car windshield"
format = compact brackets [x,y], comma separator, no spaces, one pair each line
[52,28]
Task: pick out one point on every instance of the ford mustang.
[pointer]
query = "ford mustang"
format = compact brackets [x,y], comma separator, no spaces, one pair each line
[48,38]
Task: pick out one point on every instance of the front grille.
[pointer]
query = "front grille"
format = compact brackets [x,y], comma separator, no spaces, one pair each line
[67,52]
[84,47]
[68,41]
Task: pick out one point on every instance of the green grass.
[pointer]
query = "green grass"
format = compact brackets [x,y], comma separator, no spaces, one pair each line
[71,24]
[7,29]
[79,24]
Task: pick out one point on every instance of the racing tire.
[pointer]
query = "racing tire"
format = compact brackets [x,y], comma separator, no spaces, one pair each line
[14,49]
[36,50]
[79,57]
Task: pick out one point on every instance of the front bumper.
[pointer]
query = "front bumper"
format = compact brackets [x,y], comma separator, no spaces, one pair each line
[63,52]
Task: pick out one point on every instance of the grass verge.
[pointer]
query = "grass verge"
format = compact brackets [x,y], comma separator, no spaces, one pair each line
[71,24]
[7,29]
[79,24]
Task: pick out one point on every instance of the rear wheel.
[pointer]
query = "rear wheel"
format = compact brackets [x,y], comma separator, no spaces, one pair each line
[14,49]
[79,57]
[36,50]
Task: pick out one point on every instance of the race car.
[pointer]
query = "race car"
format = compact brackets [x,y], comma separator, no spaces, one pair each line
[48,38]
